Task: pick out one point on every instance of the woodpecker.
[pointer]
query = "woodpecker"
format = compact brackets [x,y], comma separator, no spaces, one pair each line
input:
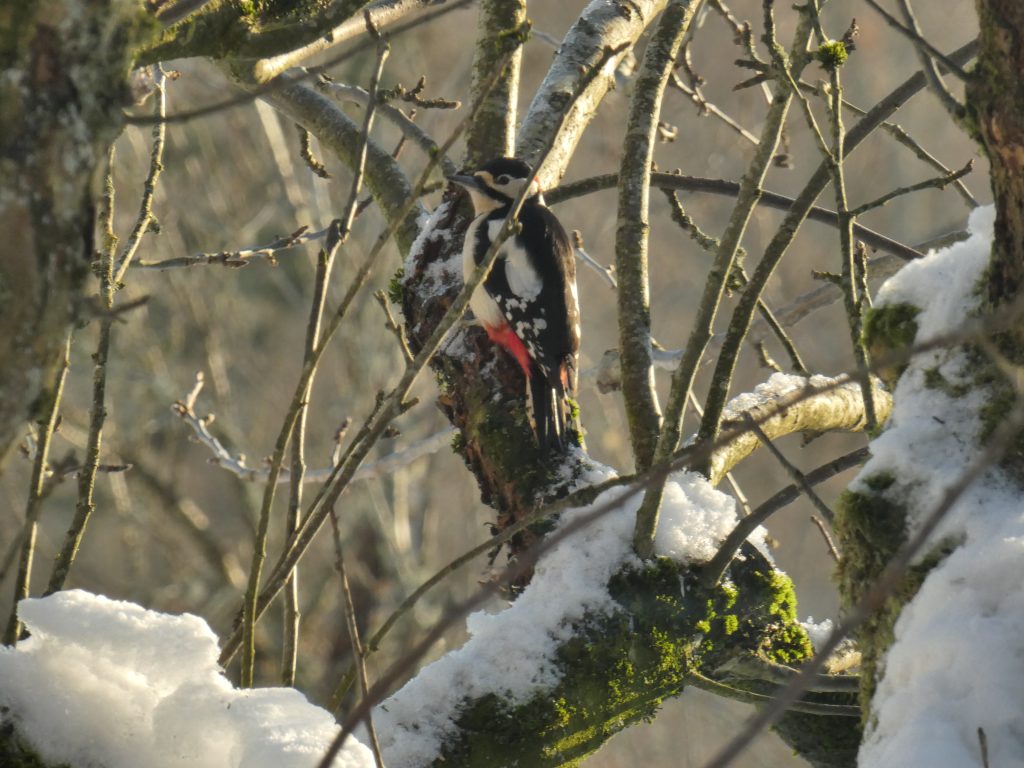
[528,304]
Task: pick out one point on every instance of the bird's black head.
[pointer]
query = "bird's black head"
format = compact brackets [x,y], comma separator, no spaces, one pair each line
[497,182]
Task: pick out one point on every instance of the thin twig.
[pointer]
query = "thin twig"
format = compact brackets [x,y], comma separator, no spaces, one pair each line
[706,107]
[353,634]
[938,182]
[335,240]
[37,492]
[711,244]
[713,571]
[607,273]
[306,153]
[727,188]
[834,158]
[795,474]
[757,668]
[145,217]
[409,129]
[392,325]
[750,697]
[98,412]
[387,464]
[929,50]
[900,135]
[292,618]
[639,394]
[832,549]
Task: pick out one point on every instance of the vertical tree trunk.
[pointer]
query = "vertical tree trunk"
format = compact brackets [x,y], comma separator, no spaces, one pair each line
[996,101]
[64,70]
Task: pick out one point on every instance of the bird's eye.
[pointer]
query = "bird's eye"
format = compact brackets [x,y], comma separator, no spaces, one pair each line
[503,179]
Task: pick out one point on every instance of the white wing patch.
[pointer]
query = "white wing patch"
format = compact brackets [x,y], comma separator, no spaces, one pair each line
[523,279]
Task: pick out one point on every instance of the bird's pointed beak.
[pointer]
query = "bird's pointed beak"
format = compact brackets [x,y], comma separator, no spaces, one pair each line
[467,182]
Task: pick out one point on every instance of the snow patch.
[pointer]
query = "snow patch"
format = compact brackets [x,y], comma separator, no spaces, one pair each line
[105,682]
[958,656]
[512,653]
[817,631]
[778,386]
[439,275]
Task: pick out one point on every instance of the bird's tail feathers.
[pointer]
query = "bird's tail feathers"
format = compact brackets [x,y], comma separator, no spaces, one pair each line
[550,412]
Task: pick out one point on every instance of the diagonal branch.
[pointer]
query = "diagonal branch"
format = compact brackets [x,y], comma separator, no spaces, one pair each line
[601,25]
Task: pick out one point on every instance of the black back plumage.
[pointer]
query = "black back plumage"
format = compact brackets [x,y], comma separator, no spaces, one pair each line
[548,322]
[540,234]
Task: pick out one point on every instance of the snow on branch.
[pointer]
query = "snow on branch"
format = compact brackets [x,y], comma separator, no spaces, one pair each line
[787,404]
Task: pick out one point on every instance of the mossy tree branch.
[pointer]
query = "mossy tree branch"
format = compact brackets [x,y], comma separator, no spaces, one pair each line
[275,33]
[665,632]
[385,179]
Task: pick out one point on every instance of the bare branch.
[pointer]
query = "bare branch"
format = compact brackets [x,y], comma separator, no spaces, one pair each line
[683,183]
[502,29]
[634,313]
[714,289]
[937,182]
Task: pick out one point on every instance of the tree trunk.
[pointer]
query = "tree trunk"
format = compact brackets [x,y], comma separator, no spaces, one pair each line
[65,81]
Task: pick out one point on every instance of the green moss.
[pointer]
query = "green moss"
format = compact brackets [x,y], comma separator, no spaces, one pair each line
[618,668]
[1000,398]
[396,290]
[458,442]
[871,528]
[933,379]
[887,330]
[993,413]
[879,481]
[831,54]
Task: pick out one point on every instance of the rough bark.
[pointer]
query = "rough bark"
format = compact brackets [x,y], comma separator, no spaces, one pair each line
[64,83]
[996,102]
